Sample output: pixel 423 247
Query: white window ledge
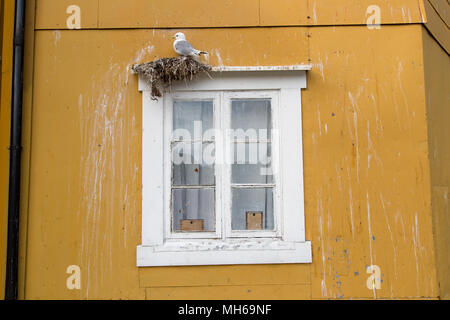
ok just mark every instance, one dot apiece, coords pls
pixel 228 252
pixel 297 67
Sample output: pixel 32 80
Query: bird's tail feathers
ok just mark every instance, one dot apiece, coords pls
pixel 199 53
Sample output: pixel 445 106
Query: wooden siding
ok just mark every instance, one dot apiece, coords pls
pixel 368 178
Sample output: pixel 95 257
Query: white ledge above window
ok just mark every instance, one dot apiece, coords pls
pixel 288 244
pixel 243 78
pixel 296 67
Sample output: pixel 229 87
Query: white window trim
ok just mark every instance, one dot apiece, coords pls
pixel 158 250
pixel 274 96
pixel 168 109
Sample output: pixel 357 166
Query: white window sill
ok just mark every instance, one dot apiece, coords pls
pixel 224 252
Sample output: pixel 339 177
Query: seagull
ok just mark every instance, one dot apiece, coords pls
pixel 184 48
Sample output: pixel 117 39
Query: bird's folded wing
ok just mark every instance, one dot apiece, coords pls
pixel 183 47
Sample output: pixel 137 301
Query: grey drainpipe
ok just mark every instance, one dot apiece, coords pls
pixel 12 258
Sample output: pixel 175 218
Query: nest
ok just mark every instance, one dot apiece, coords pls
pixel 161 73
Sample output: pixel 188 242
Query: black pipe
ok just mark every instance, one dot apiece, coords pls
pixel 12 257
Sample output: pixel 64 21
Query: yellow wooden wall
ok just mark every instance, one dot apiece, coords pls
pixel 437 83
pixel 367 171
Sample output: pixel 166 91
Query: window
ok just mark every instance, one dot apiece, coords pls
pixel 222 171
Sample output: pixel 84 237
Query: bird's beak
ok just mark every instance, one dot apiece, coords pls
pixel 173 37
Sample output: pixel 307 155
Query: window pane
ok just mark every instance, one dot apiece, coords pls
pixel 193 210
pixel 253 117
pixel 193 164
pixel 252 163
pixel 252 209
pixel 191 119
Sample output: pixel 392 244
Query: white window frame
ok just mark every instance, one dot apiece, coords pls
pixel 160 247
pixel 274 96
pixel 168 123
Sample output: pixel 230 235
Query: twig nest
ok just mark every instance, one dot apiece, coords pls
pixel 161 73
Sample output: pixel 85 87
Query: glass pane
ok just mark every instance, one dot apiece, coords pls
pixel 252 209
pixel 252 117
pixel 193 210
pixel 191 119
pixel 193 164
pixel 252 163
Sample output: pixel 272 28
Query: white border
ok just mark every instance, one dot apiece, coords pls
pixel 155 250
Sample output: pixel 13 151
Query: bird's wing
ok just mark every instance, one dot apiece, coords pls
pixel 183 47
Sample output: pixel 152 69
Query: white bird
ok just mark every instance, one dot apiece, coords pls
pixel 184 48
